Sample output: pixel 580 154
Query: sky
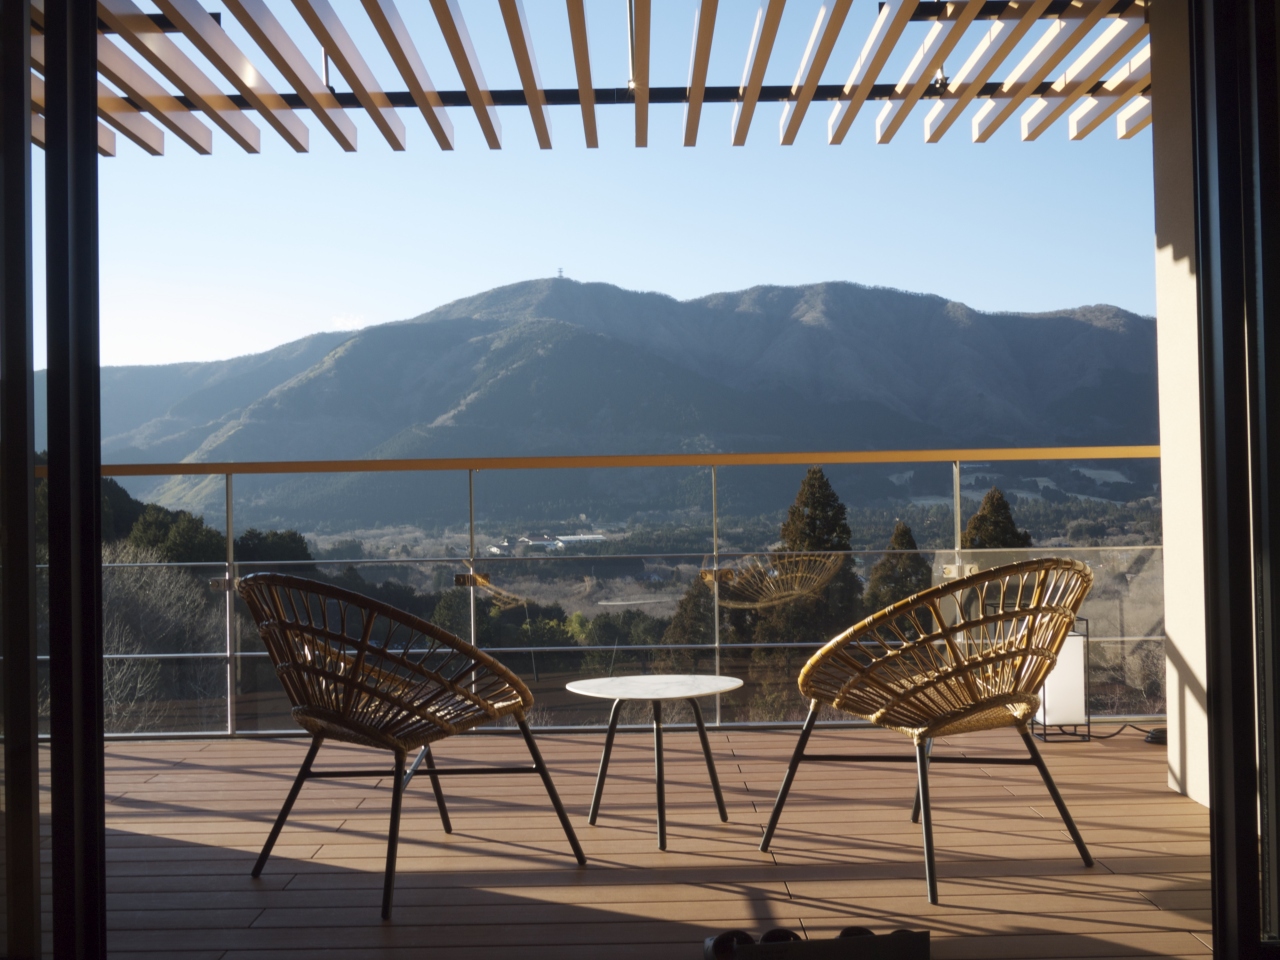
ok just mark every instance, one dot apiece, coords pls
pixel 210 257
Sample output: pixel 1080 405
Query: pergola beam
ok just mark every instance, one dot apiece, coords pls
pixel 140 87
pixel 1128 81
pixel 822 40
pixel 1110 48
pixel 1134 118
pixel 106 136
pixel 207 36
pixel 341 49
pixel 272 38
pixel 892 20
pixel 582 68
pixel 149 40
pixel 126 118
pixel 1054 46
pixel 527 67
pixel 992 51
pixel 928 60
pixel 762 38
pixel 641 23
pixel 404 53
pixel 704 29
pixel 458 39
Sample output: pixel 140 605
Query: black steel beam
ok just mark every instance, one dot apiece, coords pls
pixel 1010 10
pixel 17 503
pixel 75 570
pixel 569 96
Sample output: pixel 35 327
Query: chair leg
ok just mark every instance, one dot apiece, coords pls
pixel 796 756
pixel 393 836
pixel 1057 797
pixel 303 772
pixel 658 774
pixel 711 767
pixel 915 807
pixel 435 786
pixel 604 762
pixel 541 766
pixel 926 816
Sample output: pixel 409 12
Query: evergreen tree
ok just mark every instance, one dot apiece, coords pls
pixel 992 527
pixel 693 618
pixel 177 536
pixel 898 575
pixel 817 520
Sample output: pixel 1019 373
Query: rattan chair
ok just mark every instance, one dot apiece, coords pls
pixel 363 672
pixel 964 656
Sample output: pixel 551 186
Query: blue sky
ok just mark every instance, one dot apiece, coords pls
pixel 210 257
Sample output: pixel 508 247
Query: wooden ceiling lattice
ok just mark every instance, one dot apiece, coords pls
pixel 1088 61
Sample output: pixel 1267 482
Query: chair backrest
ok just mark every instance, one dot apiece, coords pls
pixel 365 661
pixel 972 652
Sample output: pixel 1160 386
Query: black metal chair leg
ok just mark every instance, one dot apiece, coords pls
pixel 657 769
pixel 1057 797
pixel 303 772
pixel 915 807
pixel 796 756
pixel 435 788
pixel 541 766
pixel 393 837
pixel 711 767
pixel 604 762
pixel 922 778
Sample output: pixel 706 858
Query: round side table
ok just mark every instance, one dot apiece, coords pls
pixel 655 688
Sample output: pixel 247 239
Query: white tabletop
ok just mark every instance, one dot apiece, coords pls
pixel 658 686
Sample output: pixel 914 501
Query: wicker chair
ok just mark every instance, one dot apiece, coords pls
pixel 363 672
pixel 964 656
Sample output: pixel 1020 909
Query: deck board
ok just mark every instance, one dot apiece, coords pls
pixel 186 819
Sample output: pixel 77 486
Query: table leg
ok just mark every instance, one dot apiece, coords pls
pixel 657 765
pixel 604 761
pixel 711 767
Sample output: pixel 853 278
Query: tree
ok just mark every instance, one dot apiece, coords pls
pixel 177 536
pixel 992 527
pixel 271 546
pixel 899 573
pixel 817 520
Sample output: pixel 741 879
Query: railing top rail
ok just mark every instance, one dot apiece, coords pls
pixel 964 455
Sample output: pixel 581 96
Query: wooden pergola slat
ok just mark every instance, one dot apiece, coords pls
pixel 1134 118
pixel 527 67
pixel 892 20
pixel 140 32
pixel 140 87
pixel 341 49
pixel 458 39
pixel 220 50
pixel 928 60
pixel 1115 43
pixel 704 30
pixel 106 136
pixel 640 34
pixel 128 119
pixel 1053 46
pixel 404 53
pixel 274 41
pixel 762 38
pixel 1128 81
pixel 822 40
pixel 991 52
pixel 582 69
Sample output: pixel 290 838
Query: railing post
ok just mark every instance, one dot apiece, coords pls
pixel 715 580
pixel 471 554
pixel 231 612
pixel 955 509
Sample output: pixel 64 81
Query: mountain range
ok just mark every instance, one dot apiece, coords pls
pixel 561 367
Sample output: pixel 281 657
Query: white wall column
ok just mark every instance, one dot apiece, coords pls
pixel 1177 340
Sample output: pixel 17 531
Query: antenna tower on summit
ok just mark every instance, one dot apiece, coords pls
pixel 560 272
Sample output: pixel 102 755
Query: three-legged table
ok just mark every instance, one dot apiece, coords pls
pixel 655 688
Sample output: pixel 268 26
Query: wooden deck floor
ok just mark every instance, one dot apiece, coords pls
pixel 186 820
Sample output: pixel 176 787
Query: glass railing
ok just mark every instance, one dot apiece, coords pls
pixel 184 658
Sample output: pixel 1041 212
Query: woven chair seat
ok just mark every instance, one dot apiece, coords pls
pixel 960 657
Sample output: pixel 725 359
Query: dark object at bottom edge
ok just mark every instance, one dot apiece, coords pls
pixel 854 943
